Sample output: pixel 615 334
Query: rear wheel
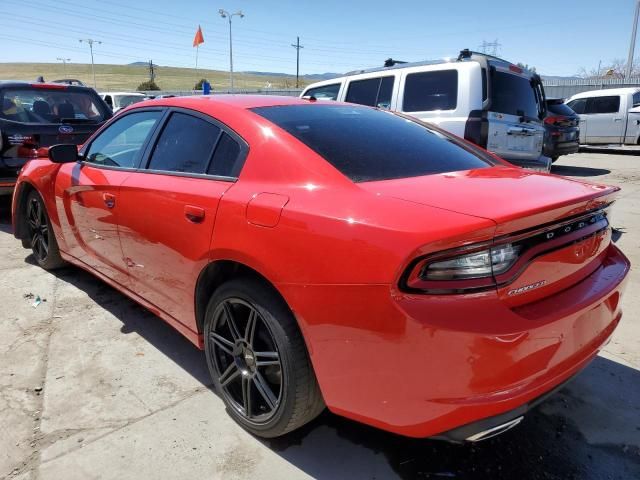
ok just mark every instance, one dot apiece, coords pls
pixel 41 238
pixel 258 360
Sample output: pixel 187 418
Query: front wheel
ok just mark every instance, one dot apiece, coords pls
pixel 258 360
pixel 41 238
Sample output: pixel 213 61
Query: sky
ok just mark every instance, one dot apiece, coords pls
pixel 558 37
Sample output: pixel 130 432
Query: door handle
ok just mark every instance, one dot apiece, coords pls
pixel 617 119
pixel 109 199
pixel 194 214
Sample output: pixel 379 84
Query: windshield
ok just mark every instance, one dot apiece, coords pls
pixel 513 95
pixel 42 105
pixel 123 101
pixel 366 144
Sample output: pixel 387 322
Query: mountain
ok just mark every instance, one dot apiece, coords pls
pixel 311 76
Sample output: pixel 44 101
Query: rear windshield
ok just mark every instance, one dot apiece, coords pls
pixel 513 95
pixel 42 105
pixel 123 101
pixel 559 109
pixel 368 145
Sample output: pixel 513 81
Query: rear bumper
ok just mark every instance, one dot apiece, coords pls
pixel 557 147
pixel 420 365
pixel 7 185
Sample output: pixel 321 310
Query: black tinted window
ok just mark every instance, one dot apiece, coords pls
pixel 375 92
pixel 326 92
pixel 559 109
pixel 636 99
pixel 428 91
pixel 578 105
pixel 185 145
pixel 121 143
pixel 366 144
pixel 225 158
pixel 603 104
pixel 513 95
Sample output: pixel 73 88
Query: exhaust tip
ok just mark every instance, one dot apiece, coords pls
pixel 494 431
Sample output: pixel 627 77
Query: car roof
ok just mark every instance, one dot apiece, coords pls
pixel 209 102
pixel 53 86
pixel 605 92
pixel 123 93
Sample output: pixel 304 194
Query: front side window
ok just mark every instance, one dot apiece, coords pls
pixel 325 92
pixel 429 91
pixel 375 92
pixel 50 105
pixel 636 99
pixel 609 104
pixel 185 145
pixel 513 95
pixel 121 143
pixel 579 105
pixel 365 144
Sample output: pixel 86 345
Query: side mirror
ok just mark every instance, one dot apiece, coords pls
pixel 63 153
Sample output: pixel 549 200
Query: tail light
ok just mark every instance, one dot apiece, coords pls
pixel 555 120
pixel 487 265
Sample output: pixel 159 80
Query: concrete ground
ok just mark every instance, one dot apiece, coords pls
pixel 92 386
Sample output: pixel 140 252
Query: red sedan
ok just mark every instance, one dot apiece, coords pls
pixel 335 255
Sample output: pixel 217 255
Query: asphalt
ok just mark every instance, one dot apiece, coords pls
pixel 93 386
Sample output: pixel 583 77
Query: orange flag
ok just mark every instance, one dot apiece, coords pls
pixel 198 39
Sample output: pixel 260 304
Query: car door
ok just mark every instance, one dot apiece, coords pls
pixel 168 209
pixel 604 119
pixel 90 191
pixel 579 105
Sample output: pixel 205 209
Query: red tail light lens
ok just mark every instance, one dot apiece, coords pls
pixel 555 120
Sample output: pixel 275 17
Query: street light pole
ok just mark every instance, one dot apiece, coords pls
pixel 632 46
pixel 91 41
pixel 224 14
pixel 64 64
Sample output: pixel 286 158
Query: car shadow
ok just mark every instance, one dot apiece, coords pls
pixel 575 171
pixel 551 443
pixel 611 151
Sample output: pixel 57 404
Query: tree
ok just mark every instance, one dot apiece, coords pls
pixel 616 68
pixel 527 67
pixel 198 86
pixel 148 86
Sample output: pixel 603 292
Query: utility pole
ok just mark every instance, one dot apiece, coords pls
pixel 64 64
pixel 491 48
pixel 632 45
pixel 152 72
pixel 224 14
pixel 297 46
pixel 91 41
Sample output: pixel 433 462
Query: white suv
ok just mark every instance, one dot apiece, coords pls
pixel 489 101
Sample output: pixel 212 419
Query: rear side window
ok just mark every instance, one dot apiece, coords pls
pixel 428 91
pixel 326 92
pixel 375 92
pixel 185 145
pixel 367 145
pixel 610 104
pixel 51 105
pixel 225 159
pixel 121 143
pixel 636 99
pixel 578 105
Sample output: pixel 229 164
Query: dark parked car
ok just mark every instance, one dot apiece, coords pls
pixel 563 134
pixel 35 115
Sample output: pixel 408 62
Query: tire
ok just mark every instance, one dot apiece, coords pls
pixel 259 362
pixel 41 238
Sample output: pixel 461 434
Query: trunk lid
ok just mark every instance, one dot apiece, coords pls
pixel 557 219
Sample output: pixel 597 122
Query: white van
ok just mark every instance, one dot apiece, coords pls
pixel 119 100
pixel 482 98
pixel 608 116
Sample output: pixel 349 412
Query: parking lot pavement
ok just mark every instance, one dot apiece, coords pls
pixel 93 386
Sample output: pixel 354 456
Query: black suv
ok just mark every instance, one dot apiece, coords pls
pixel 562 132
pixel 35 115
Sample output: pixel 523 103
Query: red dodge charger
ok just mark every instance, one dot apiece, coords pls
pixel 327 254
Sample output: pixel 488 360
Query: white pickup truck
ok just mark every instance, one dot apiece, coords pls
pixel 610 116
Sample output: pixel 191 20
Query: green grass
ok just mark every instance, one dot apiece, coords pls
pixel 128 77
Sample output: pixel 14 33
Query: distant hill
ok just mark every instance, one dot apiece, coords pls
pixel 315 76
pixel 128 77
